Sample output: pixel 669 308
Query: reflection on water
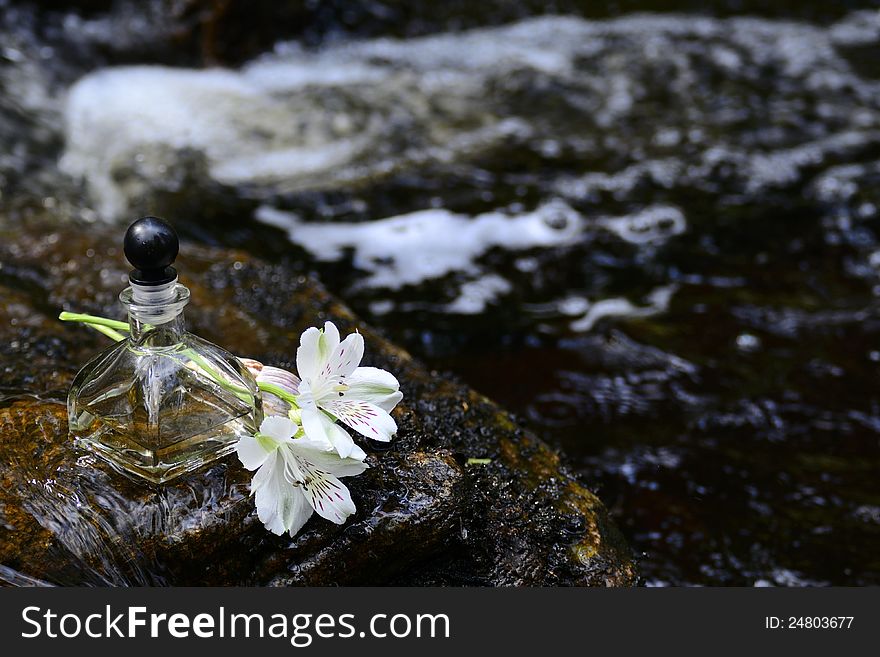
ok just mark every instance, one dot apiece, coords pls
pixel 86 524
pixel 654 237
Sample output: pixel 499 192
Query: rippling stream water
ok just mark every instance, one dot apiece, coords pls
pixel 654 237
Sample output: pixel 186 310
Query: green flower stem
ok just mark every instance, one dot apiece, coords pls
pixel 94 320
pixel 279 392
pixel 109 332
pixel 239 391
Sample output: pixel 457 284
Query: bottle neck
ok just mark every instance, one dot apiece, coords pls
pixel 155 313
pixel 148 334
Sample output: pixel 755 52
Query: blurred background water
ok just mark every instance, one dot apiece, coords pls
pixel 653 236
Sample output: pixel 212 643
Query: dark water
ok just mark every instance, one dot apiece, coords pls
pixel 653 237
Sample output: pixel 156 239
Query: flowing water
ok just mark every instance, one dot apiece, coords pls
pixel 656 238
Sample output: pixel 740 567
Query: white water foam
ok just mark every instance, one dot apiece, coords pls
pixel 420 246
pixel 413 248
pixel 649 226
pixel 656 302
pixel 355 111
pixel 476 296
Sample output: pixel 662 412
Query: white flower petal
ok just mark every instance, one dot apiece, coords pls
pixel 279 428
pixel 264 474
pixel 367 419
pixel 315 429
pixel 299 514
pixel 307 362
pixel 389 403
pixel 323 430
pixel 375 378
pixel 374 385
pixel 340 438
pixel 316 346
pixel 328 461
pixel 347 356
pixel 285 380
pixel 280 506
pixel 328 496
pixel 331 339
pixel 251 453
pixel 357 454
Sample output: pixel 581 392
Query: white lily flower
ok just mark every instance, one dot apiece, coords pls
pixel 273 405
pixel 295 477
pixel 333 387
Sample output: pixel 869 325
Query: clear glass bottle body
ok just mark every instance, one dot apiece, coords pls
pixel 162 402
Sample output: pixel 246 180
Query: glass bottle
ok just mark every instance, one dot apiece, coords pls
pixel 162 402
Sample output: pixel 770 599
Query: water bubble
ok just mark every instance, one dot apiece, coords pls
pixel 748 342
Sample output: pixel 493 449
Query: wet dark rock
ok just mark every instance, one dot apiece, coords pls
pixel 427 514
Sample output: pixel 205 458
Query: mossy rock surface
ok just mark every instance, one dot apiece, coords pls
pixel 427 513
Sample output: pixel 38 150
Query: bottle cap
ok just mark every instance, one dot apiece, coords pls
pixel 151 245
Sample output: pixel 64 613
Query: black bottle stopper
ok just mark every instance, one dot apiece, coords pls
pixel 151 246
